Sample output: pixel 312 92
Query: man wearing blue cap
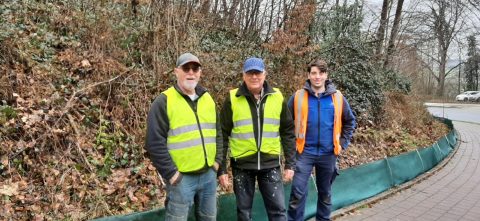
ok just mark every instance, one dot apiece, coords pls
pixel 257 126
pixel 185 145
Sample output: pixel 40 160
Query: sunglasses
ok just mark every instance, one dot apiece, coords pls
pixel 252 73
pixel 187 68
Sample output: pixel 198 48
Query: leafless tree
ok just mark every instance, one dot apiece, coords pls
pixel 395 30
pixel 440 21
pixel 445 22
pixel 381 28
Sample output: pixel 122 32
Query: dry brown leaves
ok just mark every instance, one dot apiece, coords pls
pixel 406 126
pixel 43 175
pixel 45 178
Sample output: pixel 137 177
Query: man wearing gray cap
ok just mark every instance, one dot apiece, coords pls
pixel 184 143
pixel 257 126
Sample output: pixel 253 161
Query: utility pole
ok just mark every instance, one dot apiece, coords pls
pixel 476 74
pixel 460 65
pixel 459 70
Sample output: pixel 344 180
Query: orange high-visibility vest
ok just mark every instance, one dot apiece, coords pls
pixel 300 106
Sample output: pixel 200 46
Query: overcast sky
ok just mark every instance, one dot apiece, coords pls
pixel 372 17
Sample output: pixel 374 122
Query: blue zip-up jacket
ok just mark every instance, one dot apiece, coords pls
pixel 319 135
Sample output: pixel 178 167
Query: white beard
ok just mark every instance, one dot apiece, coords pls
pixel 189 85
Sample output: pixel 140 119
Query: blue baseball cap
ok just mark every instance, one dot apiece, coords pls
pixel 253 64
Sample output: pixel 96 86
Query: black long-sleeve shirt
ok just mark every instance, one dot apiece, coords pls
pixel 157 133
pixel 286 131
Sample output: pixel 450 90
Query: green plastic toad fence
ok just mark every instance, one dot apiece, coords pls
pixel 353 185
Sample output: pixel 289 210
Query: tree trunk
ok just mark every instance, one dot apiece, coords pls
pixel 134 7
pixel 232 12
pixel 256 12
pixel 393 35
pixel 270 20
pixel 381 28
pixel 205 6
pixel 441 73
pixel 215 5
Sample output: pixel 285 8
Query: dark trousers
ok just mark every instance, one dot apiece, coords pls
pixel 270 185
pixel 325 171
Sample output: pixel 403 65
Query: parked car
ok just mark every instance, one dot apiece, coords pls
pixel 464 96
pixel 474 96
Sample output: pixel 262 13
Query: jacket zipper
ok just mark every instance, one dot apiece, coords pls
pixel 259 141
pixel 318 111
pixel 201 133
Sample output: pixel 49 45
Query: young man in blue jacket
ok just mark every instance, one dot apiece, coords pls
pixel 324 126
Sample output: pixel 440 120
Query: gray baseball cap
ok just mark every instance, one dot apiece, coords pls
pixel 187 58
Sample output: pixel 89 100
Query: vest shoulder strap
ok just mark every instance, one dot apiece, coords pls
pixel 298 112
pixel 338 95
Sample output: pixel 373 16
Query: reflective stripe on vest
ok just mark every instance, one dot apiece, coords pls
pixel 191 142
pixel 300 108
pixel 242 139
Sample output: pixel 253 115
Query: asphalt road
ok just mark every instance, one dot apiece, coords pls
pixel 466 112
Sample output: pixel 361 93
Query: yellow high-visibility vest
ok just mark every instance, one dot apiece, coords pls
pixel 242 139
pixel 191 140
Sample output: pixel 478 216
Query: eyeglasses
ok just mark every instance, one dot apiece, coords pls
pixel 252 73
pixel 194 68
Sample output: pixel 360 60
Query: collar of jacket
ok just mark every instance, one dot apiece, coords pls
pixel 243 90
pixel 199 90
pixel 329 88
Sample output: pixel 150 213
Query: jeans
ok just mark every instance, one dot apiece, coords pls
pixel 325 171
pixel 198 188
pixel 270 185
